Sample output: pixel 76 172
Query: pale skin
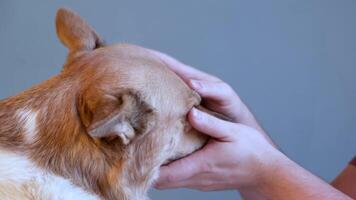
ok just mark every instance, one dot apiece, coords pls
pixel 240 154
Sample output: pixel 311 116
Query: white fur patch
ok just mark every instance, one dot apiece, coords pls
pixel 28 118
pixel 19 175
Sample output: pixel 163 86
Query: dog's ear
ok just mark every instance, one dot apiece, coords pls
pixel 124 115
pixel 75 33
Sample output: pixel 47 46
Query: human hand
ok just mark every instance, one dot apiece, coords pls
pixel 236 158
pixel 239 155
pixel 217 95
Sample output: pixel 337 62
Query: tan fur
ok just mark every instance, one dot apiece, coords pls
pixel 11 191
pixel 106 122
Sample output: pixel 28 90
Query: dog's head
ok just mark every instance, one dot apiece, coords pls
pixel 127 96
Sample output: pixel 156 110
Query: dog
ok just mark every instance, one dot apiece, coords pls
pixel 100 129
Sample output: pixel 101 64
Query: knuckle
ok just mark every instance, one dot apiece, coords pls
pixel 228 90
pixel 234 129
pixel 223 85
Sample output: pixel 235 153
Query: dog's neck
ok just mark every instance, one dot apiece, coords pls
pixel 53 138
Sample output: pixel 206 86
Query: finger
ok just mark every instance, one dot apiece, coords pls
pixel 210 125
pixel 184 71
pixel 178 172
pixel 215 90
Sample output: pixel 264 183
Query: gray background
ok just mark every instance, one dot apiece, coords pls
pixel 292 61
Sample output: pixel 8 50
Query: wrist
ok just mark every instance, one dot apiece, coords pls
pixel 272 167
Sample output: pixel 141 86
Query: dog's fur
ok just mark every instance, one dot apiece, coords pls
pixel 98 130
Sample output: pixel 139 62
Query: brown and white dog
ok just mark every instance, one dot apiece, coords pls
pixel 98 130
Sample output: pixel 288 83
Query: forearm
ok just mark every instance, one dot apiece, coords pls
pixel 249 119
pixel 346 181
pixel 287 180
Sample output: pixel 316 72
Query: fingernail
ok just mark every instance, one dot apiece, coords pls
pixel 196 114
pixel 196 84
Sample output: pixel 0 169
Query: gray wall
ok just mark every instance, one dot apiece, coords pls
pixel 292 61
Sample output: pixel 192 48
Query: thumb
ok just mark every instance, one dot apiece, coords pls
pixel 210 125
pixel 176 173
pixel 215 90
